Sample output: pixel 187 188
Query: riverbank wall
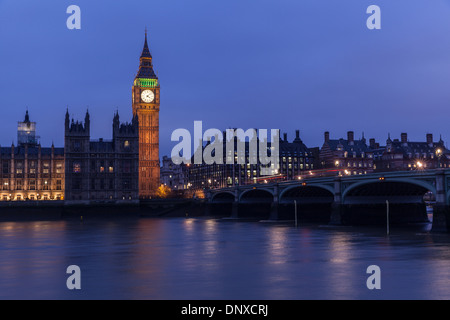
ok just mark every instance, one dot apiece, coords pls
pixel 59 210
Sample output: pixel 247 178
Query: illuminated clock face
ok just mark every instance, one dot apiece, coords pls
pixel 147 96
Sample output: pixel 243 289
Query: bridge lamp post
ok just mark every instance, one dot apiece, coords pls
pixel 419 164
pixel 438 155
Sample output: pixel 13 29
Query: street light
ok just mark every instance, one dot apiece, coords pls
pixel 439 154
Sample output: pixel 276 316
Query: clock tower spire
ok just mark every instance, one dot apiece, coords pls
pixel 145 102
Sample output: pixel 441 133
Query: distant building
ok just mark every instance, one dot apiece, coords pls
pixel 30 172
pixel 26 132
pixel 400 155
pixel 100 170
pixel 172 175
pixel 346 156
pixel 295 159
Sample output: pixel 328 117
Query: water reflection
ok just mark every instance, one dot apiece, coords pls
pixel 340 248
pixel 28 253
pixel 213 259
pixel 277 245
pixel 210 243
pixel 343 272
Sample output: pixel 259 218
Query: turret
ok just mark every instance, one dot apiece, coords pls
pixel 67 122
pixel 87 122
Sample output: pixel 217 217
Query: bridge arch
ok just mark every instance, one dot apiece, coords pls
pixel 256 203
pixel 309 203
pixel 223 196
pixel 366 202
pixel 419 183
pixel 315 190
pixel 257 194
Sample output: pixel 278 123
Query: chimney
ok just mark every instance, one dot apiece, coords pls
pixel 404 138
pixel 377 145
pixel 285 137
pixel 350 137
pixel 372 143
pixel 430 139
pixel 327 136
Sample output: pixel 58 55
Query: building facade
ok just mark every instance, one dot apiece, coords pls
pixel 346 156
pixel 100 170
pixel 29 171
pixel 295 160
pixel 402 154
pixel 145 102
pixel 172 175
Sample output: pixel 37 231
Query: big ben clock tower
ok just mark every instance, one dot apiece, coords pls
pixel 146 108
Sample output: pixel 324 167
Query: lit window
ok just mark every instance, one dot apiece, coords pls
pixel 46 167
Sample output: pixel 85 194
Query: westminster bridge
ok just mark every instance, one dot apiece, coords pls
pixel 352 199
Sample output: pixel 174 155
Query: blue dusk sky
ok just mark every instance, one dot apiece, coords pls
pixel 311 65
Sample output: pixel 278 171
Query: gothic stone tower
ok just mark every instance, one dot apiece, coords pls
pixel 76 154
pixel 146 107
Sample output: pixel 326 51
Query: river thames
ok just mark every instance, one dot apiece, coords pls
pixel 183 258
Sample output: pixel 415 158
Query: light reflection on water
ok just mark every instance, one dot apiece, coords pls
pixel 216 259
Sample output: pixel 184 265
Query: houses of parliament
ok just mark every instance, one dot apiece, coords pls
pixel 121 170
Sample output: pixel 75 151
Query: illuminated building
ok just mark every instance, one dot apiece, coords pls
pixel 145 102
pixel 346 156
pixel 173 175
pixel 30 172
pixel 400 155
pixel 295 159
